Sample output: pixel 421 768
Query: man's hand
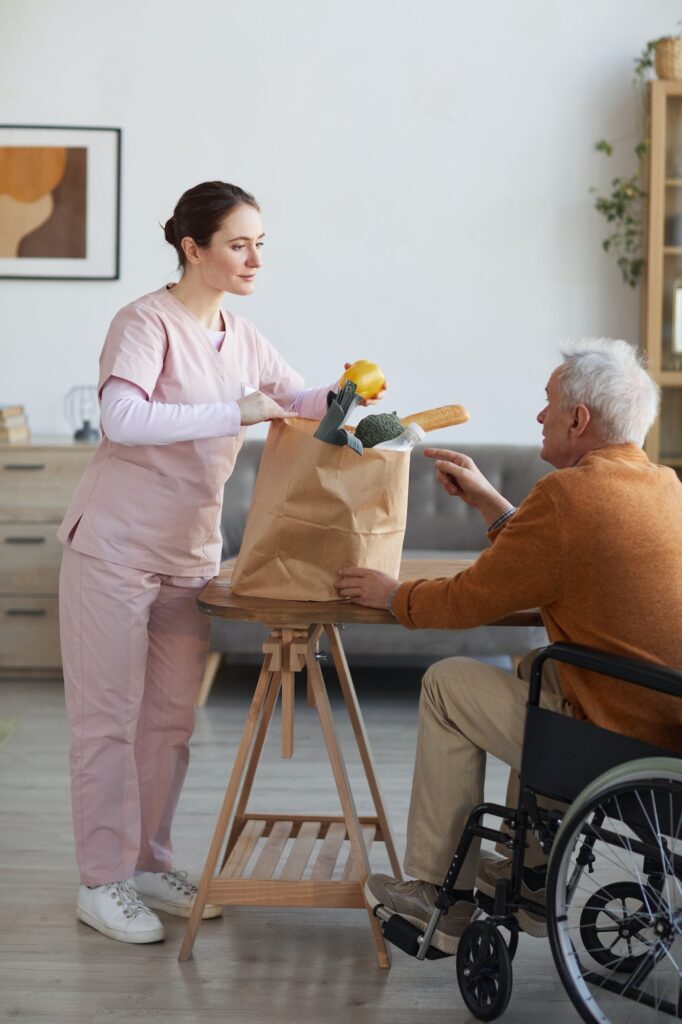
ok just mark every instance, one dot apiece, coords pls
pixel 258 407
pixel 460 476
pixel 365 586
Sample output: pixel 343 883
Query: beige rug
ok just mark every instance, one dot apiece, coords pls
pixel 7 727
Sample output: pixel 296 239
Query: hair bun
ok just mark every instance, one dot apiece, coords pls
pixel 169 231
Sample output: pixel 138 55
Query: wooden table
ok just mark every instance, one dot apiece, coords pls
pixel 246 875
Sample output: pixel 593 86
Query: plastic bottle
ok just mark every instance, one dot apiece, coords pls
pixel 405 442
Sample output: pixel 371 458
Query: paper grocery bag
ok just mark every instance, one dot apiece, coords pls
pixel 315 508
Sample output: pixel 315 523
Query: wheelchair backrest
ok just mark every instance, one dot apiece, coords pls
pixel 562 755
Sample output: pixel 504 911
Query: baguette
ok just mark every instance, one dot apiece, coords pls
pixel 436 419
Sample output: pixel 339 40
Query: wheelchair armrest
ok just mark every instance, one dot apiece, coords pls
pixel 631 670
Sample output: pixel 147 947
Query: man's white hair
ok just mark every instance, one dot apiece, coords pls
pixel 609 377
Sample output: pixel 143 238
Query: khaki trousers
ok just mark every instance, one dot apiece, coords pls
pixel 467 708
pixel 133 649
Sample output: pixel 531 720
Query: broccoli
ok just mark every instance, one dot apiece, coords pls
pixel 375 429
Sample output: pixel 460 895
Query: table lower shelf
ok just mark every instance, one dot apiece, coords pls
pixel 293 861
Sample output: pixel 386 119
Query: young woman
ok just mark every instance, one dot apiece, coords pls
pixel 180 378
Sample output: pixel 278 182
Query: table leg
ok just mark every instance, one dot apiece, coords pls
pixel 213 660
pixel 288 650
pixel 288 693
pixel 254 758
pixel 252 719
pixel 350 813
pixel 362 740
pixel 286 644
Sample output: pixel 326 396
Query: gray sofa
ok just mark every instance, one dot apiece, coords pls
pixel 437 526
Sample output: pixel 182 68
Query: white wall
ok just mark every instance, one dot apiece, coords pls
pixel 423 170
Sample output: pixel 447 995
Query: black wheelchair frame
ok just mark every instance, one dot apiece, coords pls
pixel 550 742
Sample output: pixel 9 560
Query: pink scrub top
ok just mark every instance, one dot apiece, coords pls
pixel 158 507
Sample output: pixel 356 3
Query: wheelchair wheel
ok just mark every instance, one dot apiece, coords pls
pixel 484 970
pixel 487 905
pixel 614 895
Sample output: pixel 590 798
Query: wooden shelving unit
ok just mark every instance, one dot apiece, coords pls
pixel 664 269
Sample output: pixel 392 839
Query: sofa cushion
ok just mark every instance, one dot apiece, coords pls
pixel 440 522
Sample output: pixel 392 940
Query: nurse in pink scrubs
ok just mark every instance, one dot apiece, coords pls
pixel 180 378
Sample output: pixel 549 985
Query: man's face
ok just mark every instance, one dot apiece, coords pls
pixel 558 447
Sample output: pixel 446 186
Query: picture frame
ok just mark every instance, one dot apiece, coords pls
pixel 60 203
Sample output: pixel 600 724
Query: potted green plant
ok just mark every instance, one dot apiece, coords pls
pixel 623 206
pixel 623 209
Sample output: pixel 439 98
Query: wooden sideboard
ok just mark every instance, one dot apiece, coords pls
pixel 37 481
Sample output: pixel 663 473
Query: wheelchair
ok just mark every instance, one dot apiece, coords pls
pixel 613 895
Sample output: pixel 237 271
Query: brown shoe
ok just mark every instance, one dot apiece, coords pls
pixel 491 869
pixel 416 902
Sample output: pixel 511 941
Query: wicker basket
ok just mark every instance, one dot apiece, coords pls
pixel 669 57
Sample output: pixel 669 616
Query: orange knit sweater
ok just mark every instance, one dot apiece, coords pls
pixel 598 548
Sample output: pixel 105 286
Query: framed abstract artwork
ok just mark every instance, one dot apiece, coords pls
pixel 60 198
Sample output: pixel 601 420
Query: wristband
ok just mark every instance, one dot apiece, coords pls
pixel 502 519
pixel 389 601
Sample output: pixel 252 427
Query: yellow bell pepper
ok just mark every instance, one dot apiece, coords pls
pixel 367 377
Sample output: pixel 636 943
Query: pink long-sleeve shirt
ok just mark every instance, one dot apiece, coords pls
pixel 129 417
pixel 157 506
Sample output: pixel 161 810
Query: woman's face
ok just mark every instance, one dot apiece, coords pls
pixel 233 257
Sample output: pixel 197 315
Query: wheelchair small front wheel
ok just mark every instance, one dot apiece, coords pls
pixel 484 970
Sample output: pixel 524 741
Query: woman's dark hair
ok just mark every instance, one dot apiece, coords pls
pixel 200 211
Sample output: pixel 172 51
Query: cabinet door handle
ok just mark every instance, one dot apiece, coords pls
pixel 25 540
pixel 24 465
pixel 34 612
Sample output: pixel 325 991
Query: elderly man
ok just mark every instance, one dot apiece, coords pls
pixel 597 547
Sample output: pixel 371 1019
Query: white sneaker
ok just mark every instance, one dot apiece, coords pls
pixel 116 910
pixel 170 891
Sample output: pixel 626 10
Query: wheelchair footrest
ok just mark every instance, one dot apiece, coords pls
pixel 406 936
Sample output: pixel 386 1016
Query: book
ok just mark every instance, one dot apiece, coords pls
pixel 13 421
pixel 11 410
pixel 14 435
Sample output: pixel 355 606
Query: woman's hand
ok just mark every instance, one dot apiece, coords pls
pixel 375 398
pixel 258 407
pixel 460 476
pixel 365 586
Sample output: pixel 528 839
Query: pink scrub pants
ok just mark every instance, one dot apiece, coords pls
pixel 133 649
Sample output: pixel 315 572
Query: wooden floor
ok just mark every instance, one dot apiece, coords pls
pixel 252 966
